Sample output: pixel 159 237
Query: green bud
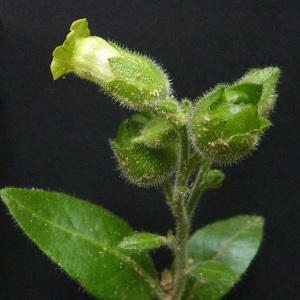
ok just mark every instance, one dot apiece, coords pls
pixel 167 107
pixel 226 125
pixel 171 109
pixel 138 163
pixel 158 133
pixel 214 178
pixel 134 80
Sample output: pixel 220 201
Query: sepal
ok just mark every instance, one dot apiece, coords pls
pixel 268 77
pixel 158 133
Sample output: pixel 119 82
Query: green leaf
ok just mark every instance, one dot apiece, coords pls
pixel 225 247
pixel 210 280
pixel 214 271
pixel 142 241
pixel 82 238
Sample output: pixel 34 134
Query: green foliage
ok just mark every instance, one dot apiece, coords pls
pixel 220 253
pixel 143 241
pixel 83 239
pixel 210 281
pixel 214 272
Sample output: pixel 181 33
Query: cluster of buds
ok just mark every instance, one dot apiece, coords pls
pixel 224 126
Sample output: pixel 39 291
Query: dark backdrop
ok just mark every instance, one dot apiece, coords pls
pixel 54 134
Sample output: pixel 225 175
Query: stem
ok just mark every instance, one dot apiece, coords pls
pixel 199 187
pixel 195 161
pixel 183 165
pixel 167 188
pixel 182 211
pixel 182 221
pixel 180 250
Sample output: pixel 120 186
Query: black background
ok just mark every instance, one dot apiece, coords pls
pixel 54 134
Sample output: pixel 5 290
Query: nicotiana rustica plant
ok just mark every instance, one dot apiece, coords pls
pixel 171 144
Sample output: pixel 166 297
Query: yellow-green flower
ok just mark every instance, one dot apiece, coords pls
pixel 132 79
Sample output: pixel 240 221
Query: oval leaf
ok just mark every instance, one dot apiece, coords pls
pixel 232 243
pixel 212 271
pixel 210 280
pixel 142 241
pixel 82 238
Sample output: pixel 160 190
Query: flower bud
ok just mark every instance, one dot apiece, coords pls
pixel 134 80
pixel 214 178
pixel 173 110
pixel 138 163
pixel 226 125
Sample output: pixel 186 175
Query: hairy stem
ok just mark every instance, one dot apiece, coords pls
pixel 180 250
pixel 182 221
pixel 182 204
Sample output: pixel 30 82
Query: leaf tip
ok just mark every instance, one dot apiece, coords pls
pixel 3 194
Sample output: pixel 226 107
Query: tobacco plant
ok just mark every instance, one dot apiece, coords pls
pixel 166 143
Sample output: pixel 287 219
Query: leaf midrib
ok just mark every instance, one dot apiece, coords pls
pixel 153 284
pixel 234 237
pixel 223 249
